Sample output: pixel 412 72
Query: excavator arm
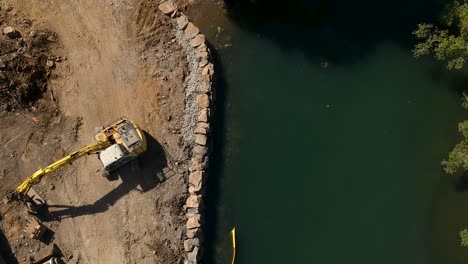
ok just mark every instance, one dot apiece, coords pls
pixel 23 188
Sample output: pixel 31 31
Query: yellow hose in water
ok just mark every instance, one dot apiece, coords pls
pixel 233 236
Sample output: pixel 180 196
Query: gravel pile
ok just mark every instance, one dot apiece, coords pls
pixel 191 83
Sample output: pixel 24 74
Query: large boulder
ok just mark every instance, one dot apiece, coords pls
pixel 199 163
pixel 204 87
pixel 194 232
pixel 203 63
pixel 195 180
pixel 190 243
pixel 203 100
pixel 191 31
pixel 200 150
pixel 201 55
pixel 201 130
pixel 203 117
pixel 201 139
pixel 198 40
pixel 11 32
pixel 168 7
pixel 208 69
pixel 204 78
pixel 195 166
pixel 193 221
pixel 194 255
pixel 182 22
pixel 202 47
pixel 204 125
pixel 193 202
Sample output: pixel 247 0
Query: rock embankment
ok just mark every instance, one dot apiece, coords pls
pixel 196 127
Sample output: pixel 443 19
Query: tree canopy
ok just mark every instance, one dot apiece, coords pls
pixel 464 237
pixel 458 157
pixel 448 41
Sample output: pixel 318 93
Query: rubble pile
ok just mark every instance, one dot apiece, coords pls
pixel 25 61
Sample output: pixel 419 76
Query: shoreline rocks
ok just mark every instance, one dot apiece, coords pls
pixel 199 94
pixel 11 32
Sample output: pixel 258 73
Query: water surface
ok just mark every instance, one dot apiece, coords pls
pixel 329 140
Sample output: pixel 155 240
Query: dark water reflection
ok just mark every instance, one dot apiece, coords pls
pixel 339 31
pixel 329 136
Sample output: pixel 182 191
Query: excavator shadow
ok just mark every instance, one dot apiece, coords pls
pixel 142 174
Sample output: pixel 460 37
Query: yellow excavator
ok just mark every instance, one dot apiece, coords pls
pixel 116 144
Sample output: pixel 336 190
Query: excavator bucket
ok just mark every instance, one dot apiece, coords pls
pixel 32 199
pixel 11 196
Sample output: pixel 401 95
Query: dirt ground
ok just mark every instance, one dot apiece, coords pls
pixel 120 58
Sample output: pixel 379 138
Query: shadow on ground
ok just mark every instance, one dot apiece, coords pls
pixel 141 174
pixel 337 31
pixel 6 255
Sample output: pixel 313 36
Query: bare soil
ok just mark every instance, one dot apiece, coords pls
pixel 117 58
pixel 24 62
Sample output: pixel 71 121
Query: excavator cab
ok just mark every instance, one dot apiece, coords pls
pixel 127 142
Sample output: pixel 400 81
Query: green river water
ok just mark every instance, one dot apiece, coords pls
pixel 329 138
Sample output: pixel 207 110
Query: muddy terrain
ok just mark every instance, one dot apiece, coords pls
pixel 81 65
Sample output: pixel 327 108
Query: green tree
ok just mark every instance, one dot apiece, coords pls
pixel 458 157
pixel 448 41
pixel 464 237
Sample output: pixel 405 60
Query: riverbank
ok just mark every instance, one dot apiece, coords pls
pixel 199 111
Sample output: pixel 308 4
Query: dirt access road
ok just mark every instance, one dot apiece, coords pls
pixel 121 60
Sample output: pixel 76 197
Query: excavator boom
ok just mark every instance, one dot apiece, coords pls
pixel 36 177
